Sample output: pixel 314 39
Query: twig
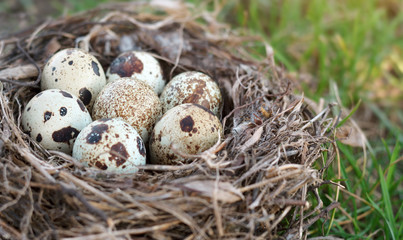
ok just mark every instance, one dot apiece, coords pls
pixel 91 209
pixel 81 183
pixel 26 84
pixel 13 233
pixel 136 231
pixel 36 163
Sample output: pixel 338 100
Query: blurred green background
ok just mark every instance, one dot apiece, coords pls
pixel 345 51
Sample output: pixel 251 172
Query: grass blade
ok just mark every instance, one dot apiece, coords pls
pixel 350 114
pixel 379 210
pixel 392 165
pixel 387 203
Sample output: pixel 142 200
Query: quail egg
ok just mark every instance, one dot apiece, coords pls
pixel 54 118
pixel 134 101
pixel 189 128
pixel 111 145
pixel 75 71
pixel 192 87
pixel 140 66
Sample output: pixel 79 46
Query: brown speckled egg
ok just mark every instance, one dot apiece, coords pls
pixel 189 128
pixel 54 118
pixel 75 71
pixel 192 87
pixel 111 145
pixel 138 65
pixel 134 101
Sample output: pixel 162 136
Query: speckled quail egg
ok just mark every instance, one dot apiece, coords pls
pixel 134 101
pixel 75 71
pixel 192 87
pixel 138 65
pixel 111 145
pixel 189 128
pixel 54 118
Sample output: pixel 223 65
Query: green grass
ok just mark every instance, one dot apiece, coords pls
pixel 356 44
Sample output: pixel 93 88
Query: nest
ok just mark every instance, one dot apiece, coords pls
pixel 260 181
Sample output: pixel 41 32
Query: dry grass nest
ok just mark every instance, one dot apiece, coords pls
pixel 260 180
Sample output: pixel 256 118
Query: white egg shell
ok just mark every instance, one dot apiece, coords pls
pixel 54 118
pixel 138 65
pixel 192 87
pixel 134 101
pixel 75 71
pixel 111 145
pixel 189 128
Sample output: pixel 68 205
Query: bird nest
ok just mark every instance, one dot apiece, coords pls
pixel 260 180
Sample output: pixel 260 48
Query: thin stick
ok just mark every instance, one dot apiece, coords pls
pixel 165 167
pixel 86 186
pixel 135 231
pixel 35 162
pixel 14 234
pixel 217 212
pixel 274 179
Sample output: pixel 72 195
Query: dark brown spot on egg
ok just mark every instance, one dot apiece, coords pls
pixel 194 98
pixel 100 165
pixel 141 147
pixel 81 104
pixel 171 156
pixel 152 138
pixel 126 64
pixel 39 137
pixel 197 91
pixel 56 80
pixel 95 67
pixel 65 134
pixel 85 95
pixel 66 94
pixel 194 130
pixel 46 116
pixel 63 111
pixel 53 69
pixel 119 154
pixel 96 133
pixel 28 109
pixel 205 103
pixel 212 129
pixel 70 62
pixel 187 124
pixel 39 94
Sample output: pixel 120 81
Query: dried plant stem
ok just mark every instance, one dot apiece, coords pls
pixel 136 231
